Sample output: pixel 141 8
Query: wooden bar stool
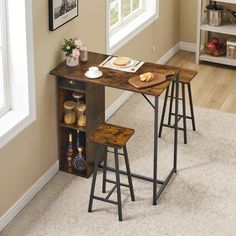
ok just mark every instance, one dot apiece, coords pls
pixel 116 137
pixel 185 79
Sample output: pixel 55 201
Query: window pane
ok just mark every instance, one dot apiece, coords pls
pixel 114 12
pixel 126 7
pixel 1 65
pixel 136 4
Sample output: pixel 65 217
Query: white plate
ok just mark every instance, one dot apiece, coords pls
pixel 128 65
pixel 87 74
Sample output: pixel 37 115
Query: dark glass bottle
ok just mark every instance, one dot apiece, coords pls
pixel 69 152
pixel 79 162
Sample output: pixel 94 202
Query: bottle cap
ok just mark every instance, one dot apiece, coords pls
pixel 70 137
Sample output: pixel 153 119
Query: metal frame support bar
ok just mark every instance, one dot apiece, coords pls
pixel 165 183
pixel 111 191
pixel 142 177
pixel 148 100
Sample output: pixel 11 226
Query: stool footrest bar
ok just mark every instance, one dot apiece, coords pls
pixel 105 200
pixel 187 117
pixel 172 126
pixel 122 154
pixel 113 182
pixel 174 97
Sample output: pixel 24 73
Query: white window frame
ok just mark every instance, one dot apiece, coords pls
pixel 126 19
pixel 116 37
pixel 6 91
pixel 20 66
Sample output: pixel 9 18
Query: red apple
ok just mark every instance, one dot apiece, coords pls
pixel 215 40
pixel 211 46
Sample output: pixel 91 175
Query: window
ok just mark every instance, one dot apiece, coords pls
pixel 126 18
pixel 17 93
pixel 4 99
pixel 123 11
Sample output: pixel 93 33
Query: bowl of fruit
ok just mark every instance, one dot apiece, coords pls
pixel 215 48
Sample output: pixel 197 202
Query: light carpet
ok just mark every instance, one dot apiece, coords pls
pixel 199 200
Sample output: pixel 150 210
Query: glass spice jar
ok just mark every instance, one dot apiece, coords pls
pixel 78 96
pixel 69 112
pixel 82 119
pixel 83 54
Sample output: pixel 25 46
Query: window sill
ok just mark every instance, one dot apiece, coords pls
pixel 12 123
pixel 133 28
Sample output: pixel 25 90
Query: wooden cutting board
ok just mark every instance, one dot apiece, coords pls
pixel 158 79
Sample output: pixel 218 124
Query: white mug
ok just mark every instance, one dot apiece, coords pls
pixel 93 70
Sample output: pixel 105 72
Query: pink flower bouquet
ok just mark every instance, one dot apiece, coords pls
pixel 71 47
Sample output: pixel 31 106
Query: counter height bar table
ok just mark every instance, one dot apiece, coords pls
pixel 119 80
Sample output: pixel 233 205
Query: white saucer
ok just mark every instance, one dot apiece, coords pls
pixel 87 74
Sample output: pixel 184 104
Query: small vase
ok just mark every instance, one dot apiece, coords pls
pixel 71 61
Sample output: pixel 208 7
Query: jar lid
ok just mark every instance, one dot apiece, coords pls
pixel 231 42
pixel 69 104
pixel 77 95
pixel 81 107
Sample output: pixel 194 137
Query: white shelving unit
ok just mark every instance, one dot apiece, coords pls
pixel 227 29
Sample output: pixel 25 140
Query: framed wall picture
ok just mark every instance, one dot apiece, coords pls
pixel 61 11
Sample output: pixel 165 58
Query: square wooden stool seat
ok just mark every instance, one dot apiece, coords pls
pixel 111 135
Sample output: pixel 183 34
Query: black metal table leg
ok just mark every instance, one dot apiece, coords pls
pixel 184 113
pixel 191 106
pixel 155 154
pixel 176 122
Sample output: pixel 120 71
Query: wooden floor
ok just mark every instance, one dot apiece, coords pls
pixel 214 86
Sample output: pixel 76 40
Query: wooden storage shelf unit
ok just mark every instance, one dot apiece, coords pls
pixel 202 26
pixel 95 115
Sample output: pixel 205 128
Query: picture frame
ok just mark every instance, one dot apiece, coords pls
pixel 61 12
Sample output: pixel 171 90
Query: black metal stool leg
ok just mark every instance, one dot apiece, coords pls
pixel 164 111
pixel 128 173
pixel 171 102
pixel 104 178
pixel 184 113
pixel 191 106
pixel 93 184
pixel 118 184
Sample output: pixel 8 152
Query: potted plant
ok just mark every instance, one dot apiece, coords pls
pixel 71 48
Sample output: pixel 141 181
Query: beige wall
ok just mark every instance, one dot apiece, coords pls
pixel 31 153
pixel 188 20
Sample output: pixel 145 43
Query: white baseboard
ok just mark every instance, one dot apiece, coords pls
pixel 190 47
pixel 167 56
pixel 7 217
pixel 117 104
